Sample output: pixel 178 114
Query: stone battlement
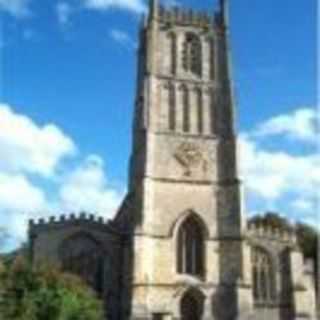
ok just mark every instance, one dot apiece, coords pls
pixel 67 218
pixel 62 221
pixel 258 230
pixel 179 16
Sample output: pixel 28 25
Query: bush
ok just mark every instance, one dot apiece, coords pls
pixel 45 294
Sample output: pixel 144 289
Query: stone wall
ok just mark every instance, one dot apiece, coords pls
pixel 48 240
pixel 293 276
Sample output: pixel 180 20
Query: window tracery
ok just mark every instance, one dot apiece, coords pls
pixel 172 107
pixel 192 54
pixel 186 109
pixel 173 53
pixel 190 249
pixel 199 102
pixel 263 276
pixel 213 112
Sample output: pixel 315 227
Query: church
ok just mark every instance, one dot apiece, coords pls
pixel 180 246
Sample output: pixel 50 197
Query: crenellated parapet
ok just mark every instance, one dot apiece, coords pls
pixel 63 221
pixel 180 16
pixel 270 233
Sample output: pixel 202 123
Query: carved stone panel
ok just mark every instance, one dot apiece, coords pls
pixel 190 157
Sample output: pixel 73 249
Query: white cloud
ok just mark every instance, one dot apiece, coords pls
pixel 298 125
pixel 122 38
pixel 136 6
pixel 18 194
pixel 86 189
pixel 18 199
pixel 280 178
pixel 17 8
pixel 64 11
pixel 29 147
pixel 271 174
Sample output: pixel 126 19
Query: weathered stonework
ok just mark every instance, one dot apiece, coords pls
pixel 183 168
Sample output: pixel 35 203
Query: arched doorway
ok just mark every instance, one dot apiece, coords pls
pixel 191 307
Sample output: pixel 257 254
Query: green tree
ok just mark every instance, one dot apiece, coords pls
pixel 45 294
pixel 307 238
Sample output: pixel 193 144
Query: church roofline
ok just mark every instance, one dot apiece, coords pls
pixel 176 15
pixel 256 230
pixel 63 220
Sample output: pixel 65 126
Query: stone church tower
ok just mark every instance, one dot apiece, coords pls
pixel 187 218
pixel 179 247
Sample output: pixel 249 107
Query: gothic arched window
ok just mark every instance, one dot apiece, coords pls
pixel 172 107
pixel 186 109
pixel 263 276
pixel 192 54
pixel 190 249
pixel 199 102
pixel 81 255
pixel 213 111
pixel 173 52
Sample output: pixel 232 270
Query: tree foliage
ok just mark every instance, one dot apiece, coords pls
pixel 45 294
pixel 308 240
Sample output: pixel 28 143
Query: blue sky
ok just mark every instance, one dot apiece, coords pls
pixel 67 86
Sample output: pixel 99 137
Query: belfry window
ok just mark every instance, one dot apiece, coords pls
pixel 263 276
pixel 173 53
pixel 192 54
pixel 190 249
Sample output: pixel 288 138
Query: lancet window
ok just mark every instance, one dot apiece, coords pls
pixel 173 53
pixel 214 115
pixel 190 249
pixel 192 54
pixel 263 276
pixel 199 101
pixel 186 108
pixel 172 107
